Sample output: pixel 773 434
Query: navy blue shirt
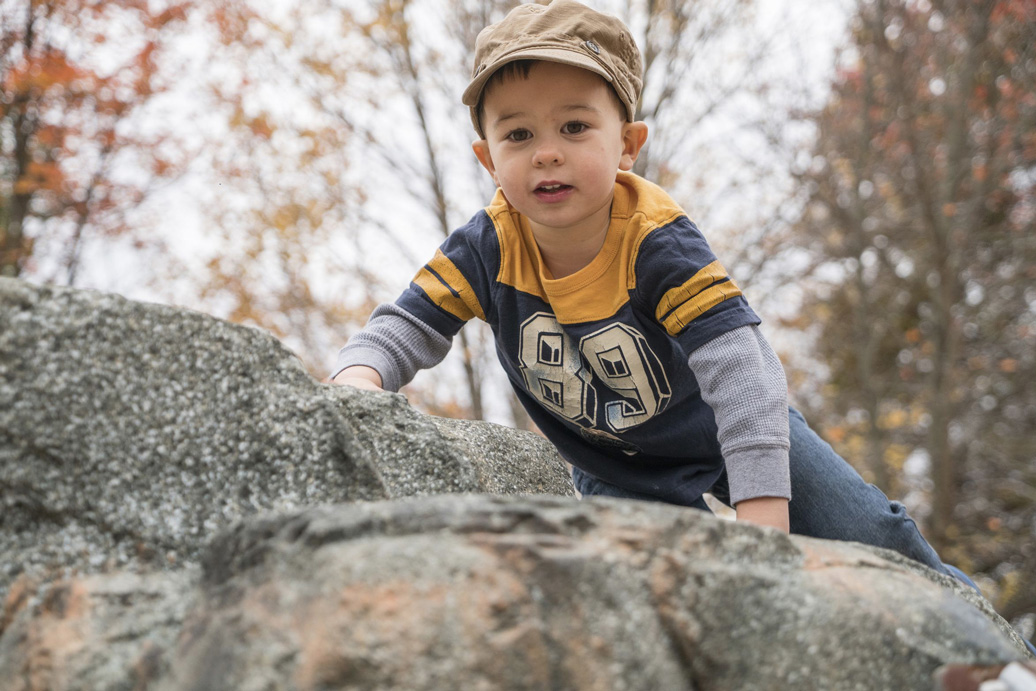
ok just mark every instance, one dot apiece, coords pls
pixel 598 358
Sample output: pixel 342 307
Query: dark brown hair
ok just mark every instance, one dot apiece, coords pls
pixel 519 69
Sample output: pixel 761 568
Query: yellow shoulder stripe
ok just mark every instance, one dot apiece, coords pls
pixel 446 286
pixel 683 304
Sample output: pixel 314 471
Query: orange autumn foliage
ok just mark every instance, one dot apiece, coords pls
pixel 67 93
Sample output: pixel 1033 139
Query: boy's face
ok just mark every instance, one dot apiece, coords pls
pixel 554 143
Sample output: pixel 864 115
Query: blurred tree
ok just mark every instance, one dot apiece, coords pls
pixel 425 72
pixel 721 78
pixel 283 251
pixel 922 211
pixel 72 76
pixel 675 37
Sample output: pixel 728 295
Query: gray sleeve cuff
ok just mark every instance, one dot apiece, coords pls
pixel 761 472
pixel 368 357
pixel 396 344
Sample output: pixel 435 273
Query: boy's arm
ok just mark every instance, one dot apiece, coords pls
pixel 769 511
pixel 741 378
pixel 389 350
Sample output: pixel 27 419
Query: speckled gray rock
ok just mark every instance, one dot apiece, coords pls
pixel 418 455
pixel 481 592
pixel 130 433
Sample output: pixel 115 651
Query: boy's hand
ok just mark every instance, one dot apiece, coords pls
pixel 769 511
pixel 359 377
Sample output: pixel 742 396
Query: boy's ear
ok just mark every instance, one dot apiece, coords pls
pixel 634 136
pixel 481 149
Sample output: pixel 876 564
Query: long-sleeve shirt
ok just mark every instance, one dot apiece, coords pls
pixel 645 368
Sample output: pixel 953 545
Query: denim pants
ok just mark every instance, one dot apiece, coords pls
pixel 829 500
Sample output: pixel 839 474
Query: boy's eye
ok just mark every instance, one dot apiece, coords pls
pixel 518 135
pixel 574 127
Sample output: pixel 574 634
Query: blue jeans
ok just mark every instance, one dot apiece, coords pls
pixel 829 500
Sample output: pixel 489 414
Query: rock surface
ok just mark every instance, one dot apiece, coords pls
pixel 183 507
pixel 131 433
pixel 490 592
pixel 524 593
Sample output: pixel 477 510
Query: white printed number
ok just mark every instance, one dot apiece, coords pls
pixel 618 356
pixel 553 372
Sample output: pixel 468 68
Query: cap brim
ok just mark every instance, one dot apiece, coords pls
pixel 565 57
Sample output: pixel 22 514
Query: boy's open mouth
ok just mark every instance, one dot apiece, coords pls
pixel 552 190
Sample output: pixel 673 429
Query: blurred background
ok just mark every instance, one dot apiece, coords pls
pixel 866 169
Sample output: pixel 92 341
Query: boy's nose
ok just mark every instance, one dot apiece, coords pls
pixel 547 154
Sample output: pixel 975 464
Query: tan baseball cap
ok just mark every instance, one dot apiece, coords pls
pixel 564 31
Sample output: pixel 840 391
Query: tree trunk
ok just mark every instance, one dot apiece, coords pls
pixel 14 246
pixel 472 376
pixel 437 187
pixel 12 239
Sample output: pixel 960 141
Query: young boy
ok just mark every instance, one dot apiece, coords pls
pixel 622 335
